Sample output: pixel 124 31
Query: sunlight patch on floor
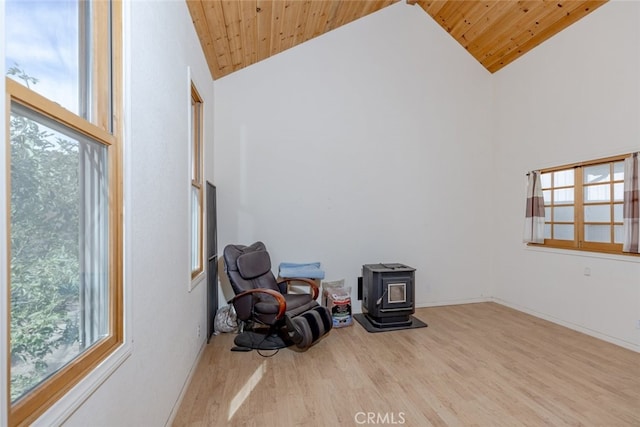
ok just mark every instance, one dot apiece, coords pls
pixel 246 390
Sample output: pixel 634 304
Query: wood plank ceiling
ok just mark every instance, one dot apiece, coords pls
pixel 237 33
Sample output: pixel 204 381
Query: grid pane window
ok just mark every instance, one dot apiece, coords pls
pixel 563 231
pixel 597 213
pixel 564 213
pixel 603 193
pixel 584 205
pixel 597 233
pixel 618 191
pixel 597 173
pixel 597 193
pixel 563 178
pixel 618 236
pixel 559 200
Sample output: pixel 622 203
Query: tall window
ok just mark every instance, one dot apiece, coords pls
pixel 65 246
pixel 196 184
pixel 584 205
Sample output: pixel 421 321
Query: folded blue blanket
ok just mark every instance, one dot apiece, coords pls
pixel 309 270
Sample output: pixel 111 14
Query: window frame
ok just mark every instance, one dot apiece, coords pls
pixel 578 243
pixel 196 148
pixel 104 128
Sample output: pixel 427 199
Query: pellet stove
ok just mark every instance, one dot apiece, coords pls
pixel 388 293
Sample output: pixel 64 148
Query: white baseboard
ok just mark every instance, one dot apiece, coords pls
pixel 604 337
pixel 185 386
pixel 356 309
pixel 453 302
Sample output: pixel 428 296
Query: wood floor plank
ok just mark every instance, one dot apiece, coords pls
pixel 475 365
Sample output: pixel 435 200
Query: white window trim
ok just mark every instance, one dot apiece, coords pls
pixel 197 280
pixel 60 411
pixel 583 253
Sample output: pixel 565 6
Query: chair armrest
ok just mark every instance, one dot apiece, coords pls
pixel 313 287
pixel 282 303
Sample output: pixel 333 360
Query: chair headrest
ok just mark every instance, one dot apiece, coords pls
pixel 253 264
pixel 232 252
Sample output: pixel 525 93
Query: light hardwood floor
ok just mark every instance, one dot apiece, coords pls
pixel 475 365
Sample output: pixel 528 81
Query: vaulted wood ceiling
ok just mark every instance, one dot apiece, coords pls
pixel 237 33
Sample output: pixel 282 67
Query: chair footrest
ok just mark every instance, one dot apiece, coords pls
pixel 260 341
pixel 312 325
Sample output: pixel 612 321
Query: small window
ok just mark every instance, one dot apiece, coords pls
pixel 197 187
pixel 584 205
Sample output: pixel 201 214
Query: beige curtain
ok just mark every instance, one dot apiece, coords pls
pixel 631 217
pixel 534 214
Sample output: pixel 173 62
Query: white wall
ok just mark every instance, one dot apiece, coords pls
pixel 368 144
pixel 162 45
pixel 574 98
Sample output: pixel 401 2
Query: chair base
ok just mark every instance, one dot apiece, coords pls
pixel 255 340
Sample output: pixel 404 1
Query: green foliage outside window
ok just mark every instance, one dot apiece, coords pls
pixel 44 249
